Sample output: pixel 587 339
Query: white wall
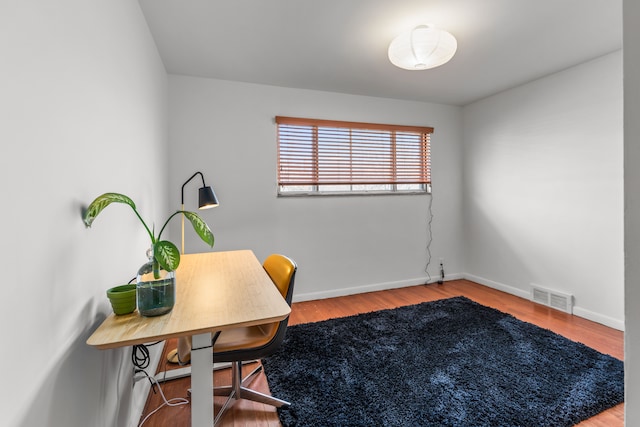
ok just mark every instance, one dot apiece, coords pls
pixel 632 210
pixel 83 110
pixel 543 187
pixel 342 244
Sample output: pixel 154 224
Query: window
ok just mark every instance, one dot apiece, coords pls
pixel 319 157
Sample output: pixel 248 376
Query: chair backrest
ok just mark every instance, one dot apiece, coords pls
pixel 282 271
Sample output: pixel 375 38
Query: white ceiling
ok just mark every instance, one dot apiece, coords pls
pixel 341 45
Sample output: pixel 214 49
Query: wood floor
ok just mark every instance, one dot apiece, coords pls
pixel 249 414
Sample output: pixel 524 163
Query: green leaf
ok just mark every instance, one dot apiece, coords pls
pixel 102 202
pixel 201 227
pixel 167 255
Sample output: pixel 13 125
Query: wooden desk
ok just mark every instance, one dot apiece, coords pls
pixel 214 291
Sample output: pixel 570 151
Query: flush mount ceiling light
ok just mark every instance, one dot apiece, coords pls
pixel 422 48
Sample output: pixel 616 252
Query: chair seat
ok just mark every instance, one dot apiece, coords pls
pixel 241 338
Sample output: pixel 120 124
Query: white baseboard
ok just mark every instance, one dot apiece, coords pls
pixel 496 285
pixel 332 293
pixel 577 311
pixel 599 318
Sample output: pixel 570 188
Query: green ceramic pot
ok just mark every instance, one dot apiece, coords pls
pixel 123 298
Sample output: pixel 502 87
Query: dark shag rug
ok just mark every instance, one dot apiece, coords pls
pixel 451 362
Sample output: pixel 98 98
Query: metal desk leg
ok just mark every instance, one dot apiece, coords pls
pixel 202 381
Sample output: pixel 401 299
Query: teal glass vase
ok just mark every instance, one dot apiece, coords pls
pixel 156 288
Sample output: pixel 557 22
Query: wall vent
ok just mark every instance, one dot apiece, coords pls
pixel 554 299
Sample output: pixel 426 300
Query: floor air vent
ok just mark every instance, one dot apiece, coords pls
pixel 558 300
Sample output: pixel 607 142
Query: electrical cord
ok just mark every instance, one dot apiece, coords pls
pixel 140 358
pixel 430 238
pixel 176 401
pixel 140 355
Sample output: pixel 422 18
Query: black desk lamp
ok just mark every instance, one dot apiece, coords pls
pixel 206 199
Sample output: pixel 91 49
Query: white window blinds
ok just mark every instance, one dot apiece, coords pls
pixel 323 152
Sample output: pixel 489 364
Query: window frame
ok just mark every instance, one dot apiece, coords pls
pixel 419 176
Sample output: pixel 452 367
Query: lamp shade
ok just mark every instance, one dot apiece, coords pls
pixel 207 198
pixel 422 48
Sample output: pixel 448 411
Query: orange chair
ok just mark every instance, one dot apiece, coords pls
pixel 254 342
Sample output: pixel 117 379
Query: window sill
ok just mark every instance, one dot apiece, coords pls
pixel 353 193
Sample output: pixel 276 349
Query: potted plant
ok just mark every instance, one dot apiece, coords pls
pixel 156 278
pixel 123 298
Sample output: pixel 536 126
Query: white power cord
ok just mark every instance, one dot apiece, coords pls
pixel 176 401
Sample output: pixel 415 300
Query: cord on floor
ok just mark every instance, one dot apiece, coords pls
pixel 176 401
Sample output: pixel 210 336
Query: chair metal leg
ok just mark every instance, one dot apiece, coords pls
pixel 238 390
pixel 232 392
pixel 226 390
pixel 256 396
pixel 249 378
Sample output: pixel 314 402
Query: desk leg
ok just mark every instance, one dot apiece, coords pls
pixel 202 381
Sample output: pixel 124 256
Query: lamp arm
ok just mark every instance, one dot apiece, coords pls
pixel 182 203
pixel 187 181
